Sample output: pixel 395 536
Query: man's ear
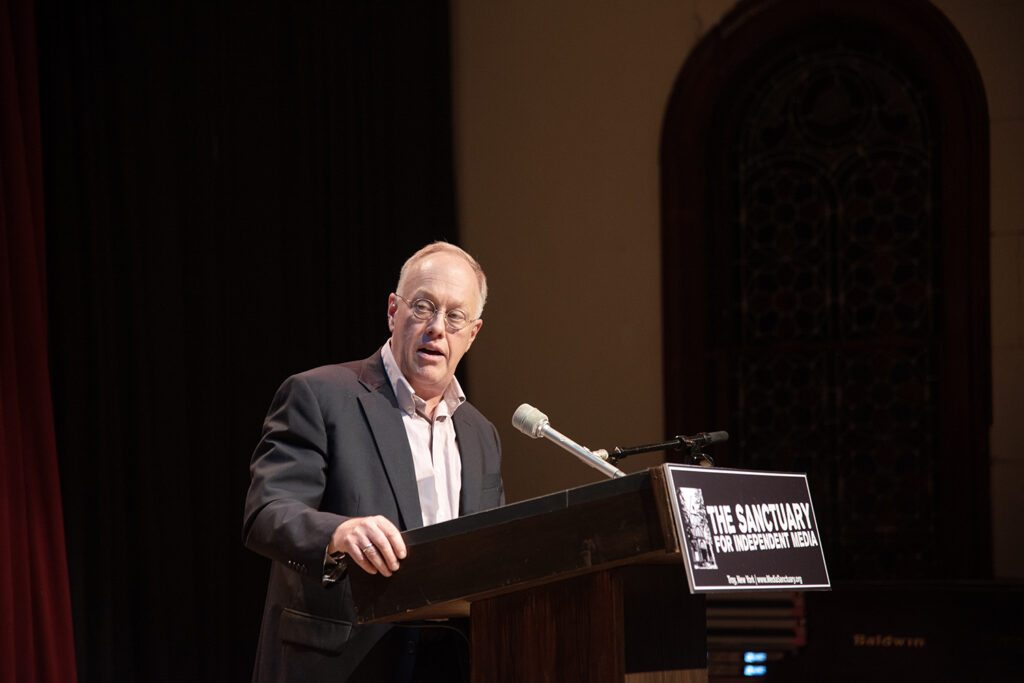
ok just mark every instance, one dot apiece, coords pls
pixel 392 309
pixel 477 324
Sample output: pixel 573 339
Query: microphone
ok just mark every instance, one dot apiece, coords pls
pixel 534 424
pixel 704 439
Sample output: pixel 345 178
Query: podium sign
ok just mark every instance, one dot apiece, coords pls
pixel 746 530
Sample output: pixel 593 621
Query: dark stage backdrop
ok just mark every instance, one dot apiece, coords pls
pixel 230 191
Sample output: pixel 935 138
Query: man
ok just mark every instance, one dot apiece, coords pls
pixel 352 454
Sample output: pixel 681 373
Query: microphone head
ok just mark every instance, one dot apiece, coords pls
pixel 529 420
pixel 704 439
pixel 717 437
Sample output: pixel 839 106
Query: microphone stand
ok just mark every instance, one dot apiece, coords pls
pixel 677 444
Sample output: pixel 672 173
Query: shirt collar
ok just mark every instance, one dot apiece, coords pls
pixel 408 401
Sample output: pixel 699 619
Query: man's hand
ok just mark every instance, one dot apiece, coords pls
pixel 373 543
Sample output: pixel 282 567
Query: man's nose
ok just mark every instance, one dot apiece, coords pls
pixel 435 326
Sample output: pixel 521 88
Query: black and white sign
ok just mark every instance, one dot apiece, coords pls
pixel 746 530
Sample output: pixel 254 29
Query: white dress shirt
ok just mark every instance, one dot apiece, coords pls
pixel 435 453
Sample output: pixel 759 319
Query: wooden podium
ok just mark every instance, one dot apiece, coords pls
pixel 583 585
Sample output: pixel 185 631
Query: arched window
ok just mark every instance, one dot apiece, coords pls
pixel 825 241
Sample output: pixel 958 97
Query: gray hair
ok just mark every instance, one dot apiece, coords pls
pixel 441 246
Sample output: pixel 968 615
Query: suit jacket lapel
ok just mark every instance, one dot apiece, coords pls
pixel 470 449
pixel 385 419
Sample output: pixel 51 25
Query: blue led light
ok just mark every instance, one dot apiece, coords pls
pixel 755 670
pixel 751 657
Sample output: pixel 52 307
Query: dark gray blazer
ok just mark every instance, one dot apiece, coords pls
pixel 333 447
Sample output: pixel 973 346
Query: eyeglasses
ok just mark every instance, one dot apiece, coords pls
pixel 425 309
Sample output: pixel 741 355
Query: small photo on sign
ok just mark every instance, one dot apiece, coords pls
pixel 697 528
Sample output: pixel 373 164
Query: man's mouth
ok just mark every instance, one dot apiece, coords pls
pixel 431 352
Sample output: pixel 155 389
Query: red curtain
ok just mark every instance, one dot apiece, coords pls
pixel 36 642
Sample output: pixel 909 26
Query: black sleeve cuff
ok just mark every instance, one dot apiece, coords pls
pixel 335 567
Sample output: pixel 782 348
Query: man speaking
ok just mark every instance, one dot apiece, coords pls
pixel 350 456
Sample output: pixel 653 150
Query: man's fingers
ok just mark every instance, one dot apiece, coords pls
pixel 387 540
pixel 374 543
pixel 397 542
pixel 373 561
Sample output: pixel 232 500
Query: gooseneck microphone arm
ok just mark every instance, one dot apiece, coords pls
pixel 534 424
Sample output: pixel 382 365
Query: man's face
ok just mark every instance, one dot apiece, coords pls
pixel 426 350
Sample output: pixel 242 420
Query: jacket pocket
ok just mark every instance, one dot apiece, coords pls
pixel 492 493
pixel 321 633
